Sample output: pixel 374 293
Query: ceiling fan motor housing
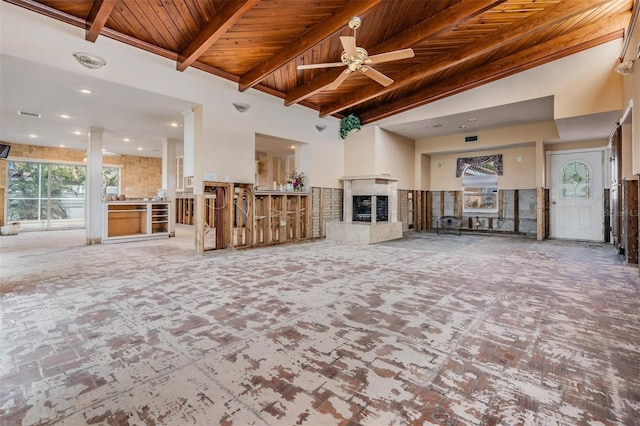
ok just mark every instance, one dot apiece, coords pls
pixel 356 63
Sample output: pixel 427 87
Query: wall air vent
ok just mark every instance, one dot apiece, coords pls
pixel 29 114
pixel 470 139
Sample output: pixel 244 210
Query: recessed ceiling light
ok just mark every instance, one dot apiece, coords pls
pixel 471 120
pixel 64 116
pixel 104 149
pixel 126 139
pixel 293 147
pixel 462 126
pixel 139 148
pixel 174 124
pixel 33 135
pixel 86 91
pixel 77 132
pixel 61 145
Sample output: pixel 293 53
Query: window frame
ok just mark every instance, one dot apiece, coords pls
pixel 482 188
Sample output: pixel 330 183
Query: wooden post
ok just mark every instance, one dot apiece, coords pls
pixel 516 211
pixel 541 205
pixel 457 209
pixel 630 220
pixel 199 222
pixel 306 217
pixel 268 237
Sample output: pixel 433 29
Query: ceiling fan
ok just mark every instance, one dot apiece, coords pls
pixel 357 59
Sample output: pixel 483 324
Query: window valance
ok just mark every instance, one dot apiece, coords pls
pixel 489 162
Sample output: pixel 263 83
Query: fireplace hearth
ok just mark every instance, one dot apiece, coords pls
pixel 370 211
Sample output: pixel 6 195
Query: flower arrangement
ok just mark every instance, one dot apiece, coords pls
pixel 296 180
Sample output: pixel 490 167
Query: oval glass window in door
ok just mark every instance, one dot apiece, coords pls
pixel 575 182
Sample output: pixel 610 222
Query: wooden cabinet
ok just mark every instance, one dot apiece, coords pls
pixel 159 218
pixel 135 220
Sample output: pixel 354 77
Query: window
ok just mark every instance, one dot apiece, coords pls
pixel 110 181
pixel 46 195
pixel 480 190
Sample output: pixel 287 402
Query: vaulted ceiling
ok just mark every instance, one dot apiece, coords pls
pixel 259 44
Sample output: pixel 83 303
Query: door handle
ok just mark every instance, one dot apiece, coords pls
pixel 553 202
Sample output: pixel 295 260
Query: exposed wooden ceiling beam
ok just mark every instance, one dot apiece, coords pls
pixel 551 16
pixel 97 18
pixel 215 28
pixel 454 15
pixel 568 44
pixel 49 11
pixel 313 36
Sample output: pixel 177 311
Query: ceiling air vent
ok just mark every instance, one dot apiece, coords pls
pixel 29 114
pixel 470 139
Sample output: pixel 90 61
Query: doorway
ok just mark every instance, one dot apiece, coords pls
pixel 576 195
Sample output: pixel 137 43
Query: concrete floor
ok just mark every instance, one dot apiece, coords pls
pixel 429 329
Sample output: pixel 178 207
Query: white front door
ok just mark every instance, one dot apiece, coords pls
pixel 576 195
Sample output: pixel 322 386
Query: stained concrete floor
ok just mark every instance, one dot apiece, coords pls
pixel 446 330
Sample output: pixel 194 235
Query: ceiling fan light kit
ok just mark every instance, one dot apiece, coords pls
pixel 356 58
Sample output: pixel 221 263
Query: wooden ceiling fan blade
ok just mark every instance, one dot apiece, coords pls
pixel 349 45
pixel 314 66
pixel 338 81
pixel 390 56
pixel 376 76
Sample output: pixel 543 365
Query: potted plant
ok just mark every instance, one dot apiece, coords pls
pixel 347 124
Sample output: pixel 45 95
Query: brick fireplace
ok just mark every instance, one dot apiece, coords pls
pixel 370 212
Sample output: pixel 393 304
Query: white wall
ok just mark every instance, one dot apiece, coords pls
pixel 359 152
pixel 582 83
pixel 631 97
pixel 228 137
pixel 394 156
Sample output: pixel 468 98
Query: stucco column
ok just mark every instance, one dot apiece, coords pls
pixel 93 206
pixel 193 159
pixel 169 179
pixel 393 201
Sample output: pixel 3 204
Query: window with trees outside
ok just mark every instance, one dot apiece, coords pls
pixel 50 195
pixel 480 190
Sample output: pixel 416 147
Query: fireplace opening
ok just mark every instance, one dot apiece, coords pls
pixel 362 208
pixel 382 208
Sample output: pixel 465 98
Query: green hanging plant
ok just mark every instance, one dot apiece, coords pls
pixel 347 124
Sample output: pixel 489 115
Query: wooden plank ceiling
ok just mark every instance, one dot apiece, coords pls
pixel 458 44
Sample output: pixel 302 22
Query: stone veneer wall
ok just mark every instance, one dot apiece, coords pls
pixel 403 209
pixel 326 206
pixel 141 176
